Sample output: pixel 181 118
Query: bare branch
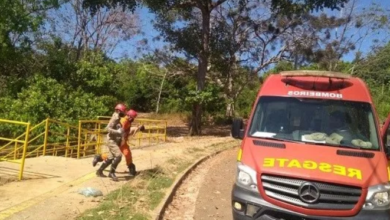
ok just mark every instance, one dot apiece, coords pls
pixel 188 4
pixel 217 3
pixel 274 59
pixel 104 30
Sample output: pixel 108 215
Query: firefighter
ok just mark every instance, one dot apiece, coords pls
pixel 114 138
pixel 124 147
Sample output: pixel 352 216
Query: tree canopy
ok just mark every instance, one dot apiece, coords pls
pixel 57 63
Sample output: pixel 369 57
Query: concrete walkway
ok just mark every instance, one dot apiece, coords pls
pixel 53 193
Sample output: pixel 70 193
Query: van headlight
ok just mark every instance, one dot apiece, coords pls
pixel 378 197
pixel 246 177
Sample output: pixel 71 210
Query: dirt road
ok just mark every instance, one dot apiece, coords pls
pixel 205 194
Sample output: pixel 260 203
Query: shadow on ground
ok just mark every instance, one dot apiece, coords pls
pixel 149 173
pixel 8 174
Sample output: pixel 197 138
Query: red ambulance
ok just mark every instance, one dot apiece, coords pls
pixel 313 148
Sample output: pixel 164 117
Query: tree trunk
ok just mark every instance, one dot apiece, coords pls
pixel 159 93
pixel 230 109
pixel 197 106
pixel 202 70
pixel 229 92
pixel 196 121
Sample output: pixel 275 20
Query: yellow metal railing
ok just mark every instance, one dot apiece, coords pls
pixel 90 137
pixel 155 131
pixel 6 152
pixel 55 138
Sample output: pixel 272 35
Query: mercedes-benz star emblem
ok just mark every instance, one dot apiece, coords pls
pixel 308 192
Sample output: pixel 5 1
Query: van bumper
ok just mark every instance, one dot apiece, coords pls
pixel 256 208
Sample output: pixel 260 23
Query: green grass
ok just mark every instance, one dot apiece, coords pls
pixel 194 150
pixel 159 183
pixel 125 193
pixel 180 164
pixel 137 198
pixel 155 199
pixel 116 205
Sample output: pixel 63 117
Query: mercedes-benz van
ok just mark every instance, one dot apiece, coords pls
pixel 313 148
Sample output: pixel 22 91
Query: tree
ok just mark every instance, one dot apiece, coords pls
pixel 194 36
pixel 94 6
pixel 245 41
pixel 325 38
pixel 101 30
pixel 18 18
pixel 375 68
pixel 187 25
pixel 293 7
pixel 19 25
pixel 48 98
pixel 193 39
pixel 170 67
pixel 253 35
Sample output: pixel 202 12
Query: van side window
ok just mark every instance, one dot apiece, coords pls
pixel 258 120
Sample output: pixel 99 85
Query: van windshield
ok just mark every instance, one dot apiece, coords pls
pixel 326 122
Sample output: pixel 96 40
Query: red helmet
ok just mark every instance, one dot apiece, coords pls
pixel 131 113
pixel 120 107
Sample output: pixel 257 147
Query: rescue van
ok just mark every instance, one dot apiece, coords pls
pixel 312 148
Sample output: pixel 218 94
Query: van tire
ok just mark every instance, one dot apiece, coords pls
pixel 237 125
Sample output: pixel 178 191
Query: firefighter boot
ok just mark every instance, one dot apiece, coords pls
pixel 132 169
pixel 112 175
pixel 114 165
pixel 97 159
pixel 104 165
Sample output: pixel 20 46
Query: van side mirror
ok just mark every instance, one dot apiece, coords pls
pixel 387 151
pixel 238 128
pixel 385 135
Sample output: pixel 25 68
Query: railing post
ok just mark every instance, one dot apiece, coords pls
pixel 46 136
pixel 67 142
pixel 157 133
pixel 79 141
pixel 165 132
pixel 140 136
pixel 98 139
pixel 15 149
pixel 86 143
pixel 24 151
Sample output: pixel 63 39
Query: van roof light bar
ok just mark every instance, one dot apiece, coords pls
pixel 329 74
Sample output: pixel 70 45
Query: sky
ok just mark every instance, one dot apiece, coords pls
pixel 127 49
pixel 149 32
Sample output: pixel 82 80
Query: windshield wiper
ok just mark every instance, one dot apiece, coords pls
pixel 334 145
pixel 280 139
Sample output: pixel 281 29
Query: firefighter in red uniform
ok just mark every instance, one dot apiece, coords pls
pixel 125 148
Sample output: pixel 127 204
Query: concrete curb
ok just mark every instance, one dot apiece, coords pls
pixel 179 180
